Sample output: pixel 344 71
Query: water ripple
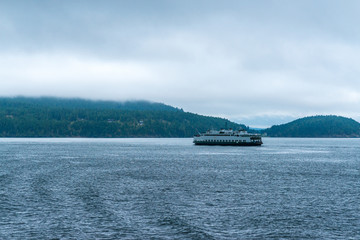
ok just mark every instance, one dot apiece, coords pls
pixel 171 189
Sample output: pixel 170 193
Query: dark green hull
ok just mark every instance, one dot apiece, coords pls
pixel 228 143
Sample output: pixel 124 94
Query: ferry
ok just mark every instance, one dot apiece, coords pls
pixel 228 137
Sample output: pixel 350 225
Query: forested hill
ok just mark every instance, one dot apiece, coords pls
pixel 56 117
pixel 317 126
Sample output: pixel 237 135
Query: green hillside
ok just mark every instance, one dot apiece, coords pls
pixel 317 126
pixel 56 117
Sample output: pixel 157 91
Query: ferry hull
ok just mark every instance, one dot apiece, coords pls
pixel 228 143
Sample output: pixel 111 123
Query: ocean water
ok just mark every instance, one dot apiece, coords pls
pixel 171 189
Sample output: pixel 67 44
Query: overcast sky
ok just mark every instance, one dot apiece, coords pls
pixel 255 62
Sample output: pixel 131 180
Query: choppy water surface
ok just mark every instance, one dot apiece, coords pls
pixel 171 189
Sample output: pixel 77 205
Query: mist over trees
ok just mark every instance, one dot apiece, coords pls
pixel 56 117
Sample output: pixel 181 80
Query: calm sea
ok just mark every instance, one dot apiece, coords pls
pixel 171 189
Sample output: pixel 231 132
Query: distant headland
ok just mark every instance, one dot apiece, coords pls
pixel 317 126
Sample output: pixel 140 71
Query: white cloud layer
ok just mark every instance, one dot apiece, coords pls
pixel 258 63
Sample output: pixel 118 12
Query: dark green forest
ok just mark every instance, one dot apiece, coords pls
pixel 57 117
pixel 317 126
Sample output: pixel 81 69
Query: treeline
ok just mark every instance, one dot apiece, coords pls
pixel 317 126
pixel 78 103
pixel 50 117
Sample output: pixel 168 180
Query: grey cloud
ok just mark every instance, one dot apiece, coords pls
pixel 225 58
